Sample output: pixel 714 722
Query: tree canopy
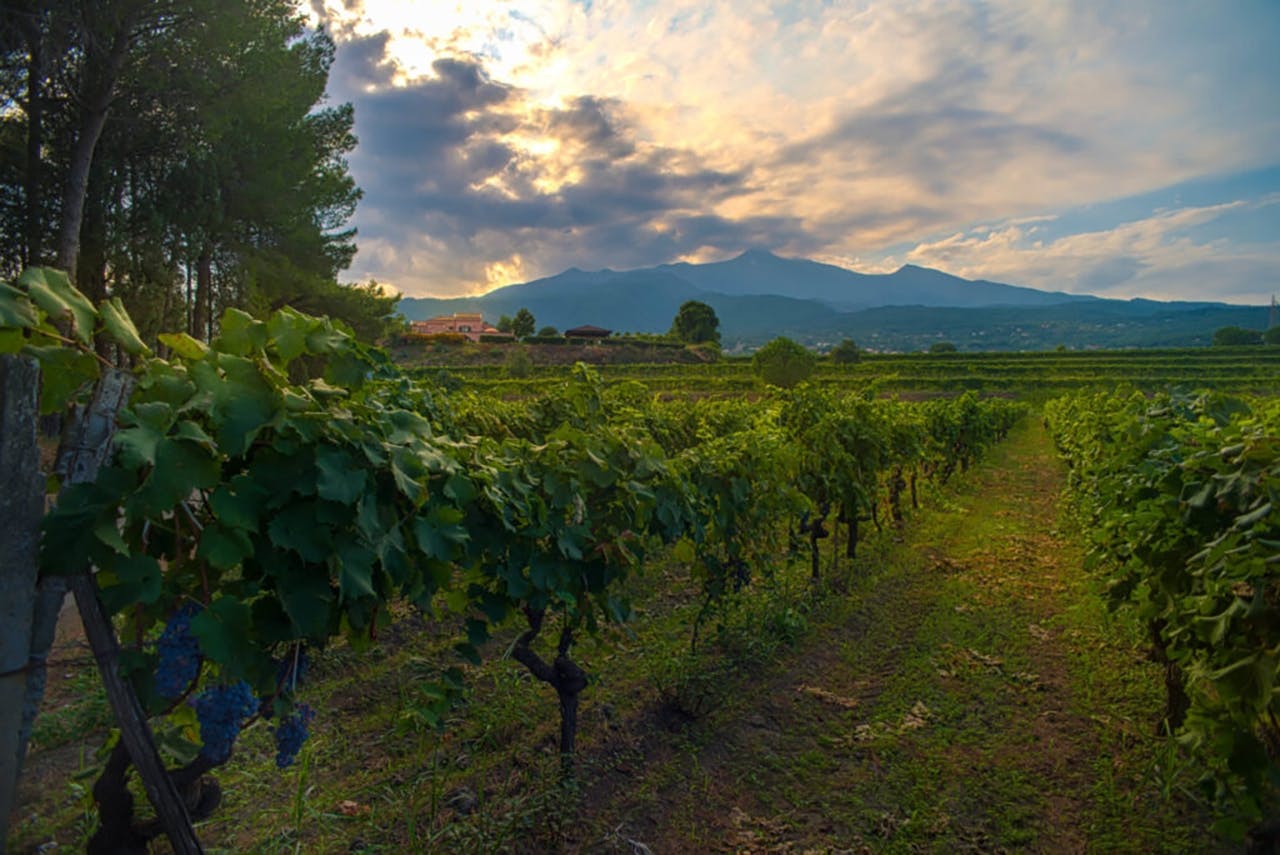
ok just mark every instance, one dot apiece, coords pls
pixel 145 152
pixel 1236 336
pixel 523 324
pixel 846 352
pixel 782 362
pixel 695 323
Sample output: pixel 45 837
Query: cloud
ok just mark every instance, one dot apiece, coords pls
pixel 471 180
pixel 1156 256
pixel 513 139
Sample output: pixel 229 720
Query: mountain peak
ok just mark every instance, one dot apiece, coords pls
pixel 757 254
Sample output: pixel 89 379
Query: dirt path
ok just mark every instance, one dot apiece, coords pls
pixel 970 696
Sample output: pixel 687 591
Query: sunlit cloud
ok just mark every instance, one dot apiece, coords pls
pixel 1154 257
pixel 624 134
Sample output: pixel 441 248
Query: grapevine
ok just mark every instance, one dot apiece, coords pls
pixel 284 485
pixel 1181 500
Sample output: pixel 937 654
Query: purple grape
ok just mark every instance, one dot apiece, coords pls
pixel 222 711
pixel 291 733
pixel 178 653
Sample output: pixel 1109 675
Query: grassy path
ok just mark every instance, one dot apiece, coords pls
pixel 971 696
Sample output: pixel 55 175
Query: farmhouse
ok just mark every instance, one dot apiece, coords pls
pixel 587 331
pixel 470 324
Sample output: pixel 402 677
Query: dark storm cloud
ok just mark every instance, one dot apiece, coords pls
pixel 434 161
pixel 592 121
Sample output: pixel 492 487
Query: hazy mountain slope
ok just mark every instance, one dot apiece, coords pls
pixel 758 272
pixel 759 295
pixel 639 301
pixel 1099 323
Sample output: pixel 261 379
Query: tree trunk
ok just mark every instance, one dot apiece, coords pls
pixel 835 547
pixel 33 245
pixel 21 508
pixel 1177 702
pixel 570 681
pixel 85 447
pixel 896 485
pixel 101 74
pixel 851 547
pixel 201 326
pixel 91 263
pixel 915 502
pixel 815 571
pixel 563 675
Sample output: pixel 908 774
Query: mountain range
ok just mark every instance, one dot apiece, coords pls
pixel 759 295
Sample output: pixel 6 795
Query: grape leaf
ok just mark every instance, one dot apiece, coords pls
pixel 225 632
pixel 131 579
pixel 224 547
pixel 184 345
pixel 340 479
pixel 52 291
pixel 119 326
pixel 64 372
pixel 16 309
pixel 240 333
pixel 181 468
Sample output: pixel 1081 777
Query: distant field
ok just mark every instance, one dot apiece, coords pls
pixel 1247 369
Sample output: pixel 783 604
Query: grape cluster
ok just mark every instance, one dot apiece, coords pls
pixel 178 653
pixel 291 733
pixel 221 711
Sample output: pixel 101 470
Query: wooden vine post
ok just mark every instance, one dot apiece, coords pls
pixel 78 461
pixel 86 445
pixel 21 507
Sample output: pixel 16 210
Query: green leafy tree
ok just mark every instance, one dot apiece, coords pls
pixel 1235 337
pixel 167 174
pixel 942 347
pixel 504 324
pixel 696 322
pixel 366 308
pixel 523 324
pixel 782 362
pixel 548 332
pixel 1272 336
pixel 846 352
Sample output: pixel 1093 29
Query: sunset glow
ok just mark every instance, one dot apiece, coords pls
pixel 1140 139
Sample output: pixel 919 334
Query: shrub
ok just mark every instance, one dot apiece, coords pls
pixel 1235 336
pixel 782 362
pixel 846 352
pixel 519 364
pixel 450 338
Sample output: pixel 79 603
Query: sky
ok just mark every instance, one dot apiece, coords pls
pixel 1124 149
